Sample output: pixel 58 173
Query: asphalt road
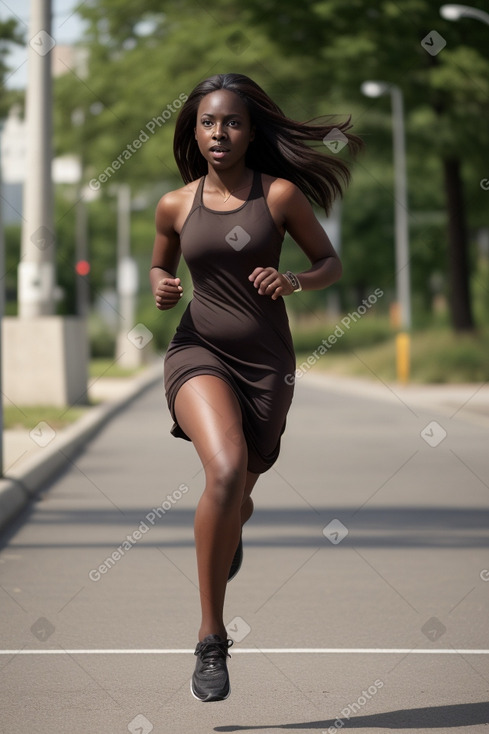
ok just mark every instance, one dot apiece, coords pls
pixel 362 602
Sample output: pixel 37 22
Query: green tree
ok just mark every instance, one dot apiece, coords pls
pixel 311 57
pixel 9 33
pixel 120 114
pixel 395 42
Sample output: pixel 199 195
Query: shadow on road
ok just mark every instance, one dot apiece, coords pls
pixel 431 717
pixel 377 527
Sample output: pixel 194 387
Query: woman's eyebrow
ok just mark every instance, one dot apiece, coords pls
pixel 231 114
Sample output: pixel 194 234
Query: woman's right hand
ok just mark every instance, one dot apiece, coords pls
pixel 168 293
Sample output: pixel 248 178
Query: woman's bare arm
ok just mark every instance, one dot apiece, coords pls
pixel 290 207
pixel 166 287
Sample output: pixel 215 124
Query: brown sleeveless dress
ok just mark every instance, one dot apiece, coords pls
pixel 230 331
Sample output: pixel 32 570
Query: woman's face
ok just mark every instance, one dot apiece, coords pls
pixel 223 129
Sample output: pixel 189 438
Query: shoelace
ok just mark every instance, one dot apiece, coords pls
pixel 211 652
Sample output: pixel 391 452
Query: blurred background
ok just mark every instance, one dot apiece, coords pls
pixel 120 72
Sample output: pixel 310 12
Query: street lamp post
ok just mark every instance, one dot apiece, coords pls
pixel 128 353
pixel 81 233
pixel 47 357
pixel 403 284
pixel 455 12
pixel 36 269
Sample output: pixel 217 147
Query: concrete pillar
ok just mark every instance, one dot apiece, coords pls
pixel 44 356
pixel 36 274
pixel 45 360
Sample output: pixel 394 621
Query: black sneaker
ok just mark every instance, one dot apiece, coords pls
pixel 210 680
pixel 237 560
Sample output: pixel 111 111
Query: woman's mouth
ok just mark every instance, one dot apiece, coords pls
pixel 219 151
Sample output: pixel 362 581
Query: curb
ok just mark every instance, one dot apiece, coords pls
pixel 20 487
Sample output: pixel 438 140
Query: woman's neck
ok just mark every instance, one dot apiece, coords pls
pixel 226 183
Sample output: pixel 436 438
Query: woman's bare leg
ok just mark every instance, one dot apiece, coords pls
pixel 247 502
pixel 209 412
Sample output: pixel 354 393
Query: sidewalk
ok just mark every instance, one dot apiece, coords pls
pixel 20 446
pixel 32 457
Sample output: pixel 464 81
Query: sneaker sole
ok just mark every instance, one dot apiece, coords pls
pixel 212 698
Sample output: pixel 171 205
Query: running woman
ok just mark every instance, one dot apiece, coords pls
pixel 250 176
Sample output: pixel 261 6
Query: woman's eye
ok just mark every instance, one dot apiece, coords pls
pixel 206 123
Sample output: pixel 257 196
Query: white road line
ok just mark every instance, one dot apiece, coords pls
pixel 258 651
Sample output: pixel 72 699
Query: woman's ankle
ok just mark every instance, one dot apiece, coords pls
pixel 207 630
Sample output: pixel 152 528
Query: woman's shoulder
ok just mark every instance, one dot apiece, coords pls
pixel 279 188
pixel 172 202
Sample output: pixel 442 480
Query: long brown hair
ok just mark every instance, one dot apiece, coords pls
pixel 280 146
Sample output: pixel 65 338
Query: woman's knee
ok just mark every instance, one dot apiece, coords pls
pixel 226 478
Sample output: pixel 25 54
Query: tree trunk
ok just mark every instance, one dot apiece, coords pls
pixel 458 256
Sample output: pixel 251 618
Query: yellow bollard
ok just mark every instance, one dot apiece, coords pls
pixel 403 342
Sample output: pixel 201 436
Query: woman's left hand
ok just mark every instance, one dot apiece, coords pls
pixel 269 282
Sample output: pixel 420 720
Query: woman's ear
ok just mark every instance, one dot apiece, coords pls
pixel 195 133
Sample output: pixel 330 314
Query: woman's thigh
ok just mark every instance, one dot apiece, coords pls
pixel 209 412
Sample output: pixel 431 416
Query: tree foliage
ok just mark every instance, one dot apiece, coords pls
pixel 311 57
pixel 9 33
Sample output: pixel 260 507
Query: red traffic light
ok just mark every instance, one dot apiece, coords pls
pixel 82 267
